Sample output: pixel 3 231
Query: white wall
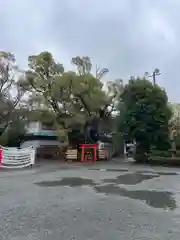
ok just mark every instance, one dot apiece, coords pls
pixel 33 127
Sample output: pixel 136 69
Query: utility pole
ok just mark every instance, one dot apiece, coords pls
pixel 155 73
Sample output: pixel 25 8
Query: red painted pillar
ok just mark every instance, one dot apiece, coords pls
pixel 95 152
pixel 95 157
pixel 82 155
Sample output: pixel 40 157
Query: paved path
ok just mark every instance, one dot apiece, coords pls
pixel 108 202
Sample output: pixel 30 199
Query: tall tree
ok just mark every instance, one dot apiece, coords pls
pixel 71 97
pixel 145 116
pixel 10 91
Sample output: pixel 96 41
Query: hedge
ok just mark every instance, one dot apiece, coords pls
pixel 160 160
pixel 160 153
pixel 156 157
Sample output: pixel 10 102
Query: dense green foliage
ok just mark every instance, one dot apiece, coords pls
pixel 14 134
pixel 52 95
pixel 145 116
pixel 80 106
pixel 12 112
pixel 74 98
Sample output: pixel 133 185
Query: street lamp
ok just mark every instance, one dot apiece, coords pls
pixel 154 74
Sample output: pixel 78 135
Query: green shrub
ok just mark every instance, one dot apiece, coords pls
pixel 164 161
pixel 160 153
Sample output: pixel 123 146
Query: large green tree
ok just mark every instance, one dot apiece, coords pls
pixel 11 93
pixel 144 116
pixel 72 98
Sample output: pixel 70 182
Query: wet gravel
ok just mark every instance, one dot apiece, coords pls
pixel 84 203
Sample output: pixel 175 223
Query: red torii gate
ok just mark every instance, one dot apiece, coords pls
pixel 85 146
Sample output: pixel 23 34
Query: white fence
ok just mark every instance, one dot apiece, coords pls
pixel 16 158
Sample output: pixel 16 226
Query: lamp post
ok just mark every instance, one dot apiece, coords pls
pixel 155 73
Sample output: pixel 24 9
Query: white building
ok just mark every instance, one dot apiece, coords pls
pixel 42 137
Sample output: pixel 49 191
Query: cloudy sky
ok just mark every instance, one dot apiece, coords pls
pixel 128 37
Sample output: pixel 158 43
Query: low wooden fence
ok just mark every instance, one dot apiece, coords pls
pixel 102 154
pixel 71 154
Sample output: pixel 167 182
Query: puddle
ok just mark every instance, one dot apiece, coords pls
pixel 154 199
pixel 167 173
pixel 72 182
pixel 131 178
pixel 109 170
pixel 117 170
pixel 140 171
pixel 160 173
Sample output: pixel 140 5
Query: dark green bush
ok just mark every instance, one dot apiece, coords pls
pixel 164 161
pixel 156 157
pixel 160 153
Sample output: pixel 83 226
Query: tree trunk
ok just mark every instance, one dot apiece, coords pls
pixel 141 153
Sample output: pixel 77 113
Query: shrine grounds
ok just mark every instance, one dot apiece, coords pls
pixel 102 201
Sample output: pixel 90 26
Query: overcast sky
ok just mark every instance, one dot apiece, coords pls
pixel 128 37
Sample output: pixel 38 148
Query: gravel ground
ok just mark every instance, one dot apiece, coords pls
pixel 83 202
